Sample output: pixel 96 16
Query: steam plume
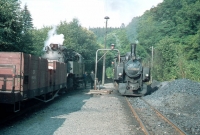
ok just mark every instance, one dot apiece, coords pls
pixel 53 38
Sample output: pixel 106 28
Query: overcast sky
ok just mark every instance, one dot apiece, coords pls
pixel 90 13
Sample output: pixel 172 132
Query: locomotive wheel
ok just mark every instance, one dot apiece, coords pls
pixel 143 91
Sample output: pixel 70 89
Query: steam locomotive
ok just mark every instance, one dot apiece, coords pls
pixel 129 74
pixel 74 61
pixel 24 76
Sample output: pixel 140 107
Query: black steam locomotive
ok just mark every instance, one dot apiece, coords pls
pixel 75 63
pixel 130 75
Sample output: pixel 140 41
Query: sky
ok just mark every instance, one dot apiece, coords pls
pixel 90 13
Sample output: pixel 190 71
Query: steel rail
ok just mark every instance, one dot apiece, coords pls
pixel 165 118
pixel 144 129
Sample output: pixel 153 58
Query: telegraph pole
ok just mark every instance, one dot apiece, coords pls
pixel 151 63
pixel 104 58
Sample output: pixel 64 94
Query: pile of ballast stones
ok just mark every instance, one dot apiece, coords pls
pixel 179 100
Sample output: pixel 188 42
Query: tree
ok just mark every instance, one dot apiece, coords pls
pixel 10 25
pixel 173 29
pixel 81 40
pixel 26 43
pixel 39 36
pixel 165 60
pixel 26 19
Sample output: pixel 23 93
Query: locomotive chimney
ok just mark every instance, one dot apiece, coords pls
pixel 133 51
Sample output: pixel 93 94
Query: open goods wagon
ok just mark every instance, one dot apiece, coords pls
pixel 24 76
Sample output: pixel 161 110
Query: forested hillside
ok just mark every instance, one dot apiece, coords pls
pixel 100 32
pixel 173 29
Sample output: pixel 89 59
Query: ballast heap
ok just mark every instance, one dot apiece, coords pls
pixel 74 60
pixel 130 75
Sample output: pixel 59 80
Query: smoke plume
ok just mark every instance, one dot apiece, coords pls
pixel 53 38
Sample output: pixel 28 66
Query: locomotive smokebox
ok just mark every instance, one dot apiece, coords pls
pixel 133 51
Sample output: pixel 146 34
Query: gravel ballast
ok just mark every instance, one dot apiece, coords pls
pixel 78 113
pixel 153 123
pixel 179 100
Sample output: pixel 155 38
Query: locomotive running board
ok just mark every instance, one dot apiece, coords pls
pixel 44 100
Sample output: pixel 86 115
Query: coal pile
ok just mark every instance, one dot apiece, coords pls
pixel 179 100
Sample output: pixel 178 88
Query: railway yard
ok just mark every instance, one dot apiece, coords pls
pixel 172 108
pixel 51 76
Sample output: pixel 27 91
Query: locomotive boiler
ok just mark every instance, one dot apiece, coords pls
pixel 129 75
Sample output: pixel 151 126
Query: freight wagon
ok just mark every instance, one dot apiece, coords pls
pixel 25 76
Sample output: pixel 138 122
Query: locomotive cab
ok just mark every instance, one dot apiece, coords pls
pixel 130 75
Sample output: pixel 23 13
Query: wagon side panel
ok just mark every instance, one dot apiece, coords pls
pixel 12 76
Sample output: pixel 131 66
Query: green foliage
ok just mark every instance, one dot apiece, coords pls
pixel 170 62
pixel 109 72
pixel 142 53
pixel 124 44
pixel 192 46
pixel 10 25
pixel 132 29
pixel 193 70
pixel 15 27
pixel 165 58
pixel 26 42
pixel 146 29
pixel 173 28
pixel 111 39
pixel 39 36
pixel 81 40
pixel 26 19
pixel 101 32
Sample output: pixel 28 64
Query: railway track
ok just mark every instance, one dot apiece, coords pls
pixel 29 108
pixel 152 121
